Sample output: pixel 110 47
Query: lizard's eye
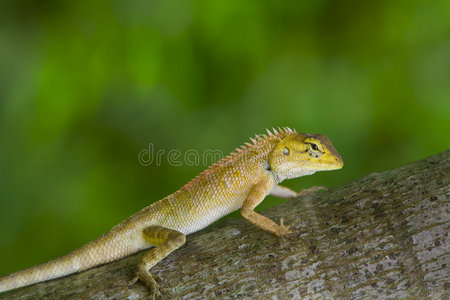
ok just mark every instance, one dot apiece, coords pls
pixel 286 151
pixel 314 150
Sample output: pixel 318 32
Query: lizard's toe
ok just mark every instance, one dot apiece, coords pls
pixel 312 190
pixel 284 231
pixel 151 282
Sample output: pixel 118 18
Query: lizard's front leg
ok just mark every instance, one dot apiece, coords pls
pixel 256 196
pixel 285 192
pixel 282 192
pixel 166 241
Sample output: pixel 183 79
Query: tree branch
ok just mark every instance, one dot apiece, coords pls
pixel 385 235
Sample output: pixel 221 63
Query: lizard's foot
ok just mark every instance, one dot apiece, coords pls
pixel 150 281
pixel 311 190
pixel 284 231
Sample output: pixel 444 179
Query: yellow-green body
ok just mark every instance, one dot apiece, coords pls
pixel 239 181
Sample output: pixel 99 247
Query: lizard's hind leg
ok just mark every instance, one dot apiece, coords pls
pixel 165 241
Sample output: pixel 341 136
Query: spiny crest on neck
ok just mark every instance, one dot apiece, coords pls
pixel 258 141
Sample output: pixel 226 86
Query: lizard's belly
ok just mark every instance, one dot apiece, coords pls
pixel 197 214
pixel 184 220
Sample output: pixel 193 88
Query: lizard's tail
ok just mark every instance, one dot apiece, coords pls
pixel 53 269
pixel 97 252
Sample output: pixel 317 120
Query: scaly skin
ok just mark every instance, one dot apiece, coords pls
pixel 239 181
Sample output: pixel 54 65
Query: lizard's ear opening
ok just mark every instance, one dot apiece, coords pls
pixel 283 155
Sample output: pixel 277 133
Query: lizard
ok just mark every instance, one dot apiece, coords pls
pixel 240 180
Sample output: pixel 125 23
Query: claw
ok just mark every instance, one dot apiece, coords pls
pixel 151 282
pixel 285 226
pixel 134 280
pixel 311 190
pixel 284 232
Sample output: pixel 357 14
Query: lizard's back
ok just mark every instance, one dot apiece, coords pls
pixel 213 194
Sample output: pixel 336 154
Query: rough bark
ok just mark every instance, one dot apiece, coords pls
pixel 383 236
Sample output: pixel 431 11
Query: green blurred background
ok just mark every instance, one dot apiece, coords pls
pixel 86 85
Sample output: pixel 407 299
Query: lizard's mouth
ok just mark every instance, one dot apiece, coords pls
pixel 326 164
pixel 330 162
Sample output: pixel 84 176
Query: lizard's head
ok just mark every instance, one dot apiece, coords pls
pixel 301 154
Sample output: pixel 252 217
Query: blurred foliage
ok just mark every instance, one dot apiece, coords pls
pixel 86 85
